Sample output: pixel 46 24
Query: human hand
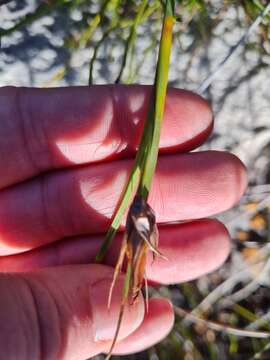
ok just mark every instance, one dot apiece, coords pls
pixel 65 155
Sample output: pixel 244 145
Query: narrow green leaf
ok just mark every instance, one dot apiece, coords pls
pixel 156 113
pixel 131 38
pixel 145 162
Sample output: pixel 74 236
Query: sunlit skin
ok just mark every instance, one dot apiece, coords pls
pixel 64 158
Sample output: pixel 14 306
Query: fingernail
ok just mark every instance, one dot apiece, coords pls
pixel 104 319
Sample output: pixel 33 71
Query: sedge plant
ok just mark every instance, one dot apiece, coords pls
pixel 141 233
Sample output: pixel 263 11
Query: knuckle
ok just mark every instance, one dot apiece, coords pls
pixel 52 211
pixel 33 134
pixel 45 318
pixel 30 319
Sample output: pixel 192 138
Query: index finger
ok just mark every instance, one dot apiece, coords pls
pixel 44 129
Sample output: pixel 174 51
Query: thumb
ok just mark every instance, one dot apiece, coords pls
pixel 61 313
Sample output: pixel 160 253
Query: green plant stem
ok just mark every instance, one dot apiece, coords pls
pixel 130 189
pixel 156 114
pixel 131 38
pixel 114 23
pixel 93 59
pixel 146 158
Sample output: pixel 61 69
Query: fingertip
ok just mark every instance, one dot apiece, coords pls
pixel 234 174
pixel 105 317
pixel 201 184
pixel 240 174
pixel 190 100
pixel 193 249
pixel 157 324
pixel 188 120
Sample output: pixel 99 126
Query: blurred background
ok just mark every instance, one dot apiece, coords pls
pixel 221 50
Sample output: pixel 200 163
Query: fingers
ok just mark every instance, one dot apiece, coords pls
pixel 157 323
pixel 44 129
pixel 187 186
pixel 185 246
pixel 203 247
pixel 62 314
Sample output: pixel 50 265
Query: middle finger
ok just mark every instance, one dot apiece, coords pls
pixel 82 201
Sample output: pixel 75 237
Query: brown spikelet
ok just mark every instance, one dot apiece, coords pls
pixel 140 237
